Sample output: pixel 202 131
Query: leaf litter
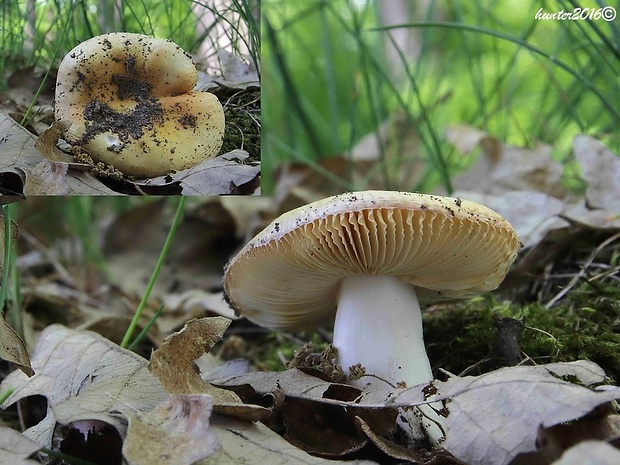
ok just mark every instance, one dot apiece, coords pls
pixel 506 412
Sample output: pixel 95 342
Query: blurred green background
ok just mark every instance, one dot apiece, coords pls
pixel 335 70
pixel 40 32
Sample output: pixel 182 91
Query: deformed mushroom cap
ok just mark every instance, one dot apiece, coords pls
pixel 130 101
pixel 288 276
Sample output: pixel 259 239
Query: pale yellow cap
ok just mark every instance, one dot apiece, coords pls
pixel 130 101
pixel 288 276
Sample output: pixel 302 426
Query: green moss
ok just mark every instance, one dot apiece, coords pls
pixel 586 325
pixel 243 126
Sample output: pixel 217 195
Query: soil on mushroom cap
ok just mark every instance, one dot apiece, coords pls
pixel 101 118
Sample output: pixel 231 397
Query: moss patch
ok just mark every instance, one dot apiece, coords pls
pixel 243 126
pixel 586 325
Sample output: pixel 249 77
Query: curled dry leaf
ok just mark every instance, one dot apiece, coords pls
pixel 83 376
pixel 247 443
pixel 175 432
pixel 16 448
pixel 13 349
pixel 46 143
pixel 32 174
pixel 173 364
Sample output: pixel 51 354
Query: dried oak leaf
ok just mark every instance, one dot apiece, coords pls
pixel 84 377
pixel 175 432
pixel 173 364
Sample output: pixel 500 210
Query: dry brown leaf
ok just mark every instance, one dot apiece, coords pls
pixel 175 432
pixel 319 429
pixel 503 167
pixel 15 448
pixel 173 364
pixel 248 213
pixel 601 170
pixel 247 443
pixel 13 349
pixel 46 143
pixel 83 376
pixel 221 175
pixel 38 176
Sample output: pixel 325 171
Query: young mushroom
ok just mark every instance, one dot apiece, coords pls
pixel 130 101
pixel 369 259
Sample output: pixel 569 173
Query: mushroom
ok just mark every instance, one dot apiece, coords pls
pixel 369 259
pixel 130 101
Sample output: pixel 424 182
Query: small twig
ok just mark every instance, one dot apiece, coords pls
pixel 583 270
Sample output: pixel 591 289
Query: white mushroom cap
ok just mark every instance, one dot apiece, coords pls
pixel 130 101
pixel 289 275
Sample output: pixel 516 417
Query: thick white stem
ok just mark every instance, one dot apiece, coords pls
pixel 379 324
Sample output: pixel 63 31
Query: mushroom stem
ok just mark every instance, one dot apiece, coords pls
pixel 379 324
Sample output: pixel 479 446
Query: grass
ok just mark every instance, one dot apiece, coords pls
pixel 495 67
pixel 40 33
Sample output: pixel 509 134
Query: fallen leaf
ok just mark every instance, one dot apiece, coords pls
pixel 83 376
pixel 247 443
pixel 15 448
pixel 31 174
pixel 497 415
pixel 503 167
pixel 46 143
pixel 552 442
pixel 175 432
pixel 601 170
pixel 51 179
pixel 173 364
pixel 235 72
pixel 13 349
pixel 221 175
